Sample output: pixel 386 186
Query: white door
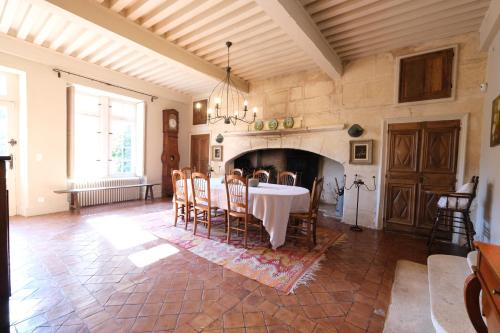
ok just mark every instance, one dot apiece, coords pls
pixel 8 147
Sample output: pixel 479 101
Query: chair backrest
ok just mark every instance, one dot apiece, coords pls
pixel 237 172
pixel 179 182
pixel 316 196
pixel 200 188
pixel 287 178
pixel 262 175
pixel 474 180
pixel 188 171
pixel 236 193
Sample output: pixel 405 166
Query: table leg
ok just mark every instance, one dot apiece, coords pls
pixel 151 193
pixel 146 194
pixel 74 203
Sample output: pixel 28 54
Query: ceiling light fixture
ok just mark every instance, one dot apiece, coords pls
pixel 226 100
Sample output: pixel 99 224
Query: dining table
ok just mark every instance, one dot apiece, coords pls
pixel 270 203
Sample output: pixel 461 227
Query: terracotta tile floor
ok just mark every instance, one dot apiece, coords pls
pixel 72 273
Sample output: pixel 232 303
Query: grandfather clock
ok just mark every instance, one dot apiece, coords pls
pixel 170 155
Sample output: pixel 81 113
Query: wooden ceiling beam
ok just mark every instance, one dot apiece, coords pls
pixel 121 29
pixel 296 21
pixel 490 25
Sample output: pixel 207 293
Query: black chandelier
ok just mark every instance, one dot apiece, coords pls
pixel 226 96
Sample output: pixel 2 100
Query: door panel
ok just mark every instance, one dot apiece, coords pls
pixel 440 147
pixel 400 199
pixel 200 152
pixel 422 161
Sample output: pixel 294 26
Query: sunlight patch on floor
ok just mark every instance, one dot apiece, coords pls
pixel 152 255
pixel 122 232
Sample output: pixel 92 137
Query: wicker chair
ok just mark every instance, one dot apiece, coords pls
pixel 453 213
pixel 237 208
pixel 202 205
pixel 182 206
pixel 287 178
pixel 303 225
pixel 262 175
pixel 237 172
pixel 188 171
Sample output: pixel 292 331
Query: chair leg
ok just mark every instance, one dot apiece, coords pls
pixel 209 223
pixel 433 231
pixel 309 235
pixel 195 221
pixel 245 234
pixel 467 230
pixel 315 222
pixel 228 228
pixel 176 211
pixel 225 219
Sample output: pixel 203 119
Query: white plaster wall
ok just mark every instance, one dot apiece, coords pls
pixel 365 95
pixel 330 169
pixel 45 128
pixel 488 212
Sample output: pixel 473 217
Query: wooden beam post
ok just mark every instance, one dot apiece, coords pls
pixel 490 26
pixel 120 27
pixel 292 17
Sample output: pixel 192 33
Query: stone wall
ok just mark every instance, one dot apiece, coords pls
pixel 365 95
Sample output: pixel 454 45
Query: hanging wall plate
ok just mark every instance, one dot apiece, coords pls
pixel 273 124
pixel 288 122
pixel 355 131
pixel 259 125
pixel 219 138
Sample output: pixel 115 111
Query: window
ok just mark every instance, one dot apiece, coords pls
pixel 426 76
pixel 108 135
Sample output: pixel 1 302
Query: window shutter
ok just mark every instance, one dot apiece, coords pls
pixel 426 76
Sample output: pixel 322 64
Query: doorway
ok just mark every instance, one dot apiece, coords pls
pixel 9 127
pixel 200 152
pixel 421 162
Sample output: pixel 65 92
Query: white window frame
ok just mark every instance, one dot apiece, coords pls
pixel 105 140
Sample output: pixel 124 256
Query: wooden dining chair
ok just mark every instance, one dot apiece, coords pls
pixel 237 172
pixel 237 208
pixel 262 175
pixel 202 205
pixel 287 178
pixel 304 224
pixel 188 171
pixel 182 206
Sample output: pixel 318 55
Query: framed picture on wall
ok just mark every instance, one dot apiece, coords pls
pixel 495 122
pixel 361 152
pixel 217 153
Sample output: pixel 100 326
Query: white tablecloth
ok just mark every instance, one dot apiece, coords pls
pixel 270 203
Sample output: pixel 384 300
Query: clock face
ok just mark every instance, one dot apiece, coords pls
pixel 172 122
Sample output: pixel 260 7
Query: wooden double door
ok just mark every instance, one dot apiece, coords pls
pixel 422 161
pixel 200 149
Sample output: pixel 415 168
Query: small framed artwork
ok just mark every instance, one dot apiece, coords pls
pixel 361 152
pixel 495 122
pixel 217 153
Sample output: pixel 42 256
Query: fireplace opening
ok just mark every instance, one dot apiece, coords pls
pixel 306 164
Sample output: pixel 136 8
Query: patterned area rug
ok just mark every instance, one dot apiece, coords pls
pixel 284 269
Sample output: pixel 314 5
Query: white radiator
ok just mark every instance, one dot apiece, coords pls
pixel 107 196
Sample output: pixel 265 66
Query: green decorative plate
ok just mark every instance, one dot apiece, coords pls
pixel 259 125
pixel 273 124
pixel 288 122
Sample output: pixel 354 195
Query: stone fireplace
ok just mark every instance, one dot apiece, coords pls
pixel 331 146
pixel 306 164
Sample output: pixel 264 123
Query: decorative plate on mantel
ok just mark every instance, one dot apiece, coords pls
pixel 288 122
pixel 273 124
pixel 259 125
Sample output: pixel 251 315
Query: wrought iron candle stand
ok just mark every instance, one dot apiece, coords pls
pixel 358 182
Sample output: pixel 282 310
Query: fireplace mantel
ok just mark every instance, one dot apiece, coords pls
pixel 284 132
